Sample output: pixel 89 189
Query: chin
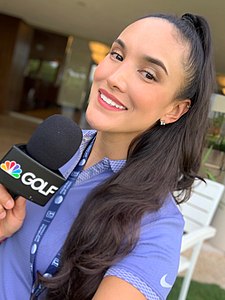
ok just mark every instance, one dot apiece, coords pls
pixel 92 120
pixel 98 123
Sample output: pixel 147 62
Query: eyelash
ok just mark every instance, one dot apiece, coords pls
pixel 116 55
pixel 119 57
pixel 148 74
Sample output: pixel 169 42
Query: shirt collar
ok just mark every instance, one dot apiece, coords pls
pixel 116 165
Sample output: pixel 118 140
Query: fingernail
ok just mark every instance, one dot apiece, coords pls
pixel 9 204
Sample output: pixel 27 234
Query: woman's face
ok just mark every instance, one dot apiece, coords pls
pixel 135 85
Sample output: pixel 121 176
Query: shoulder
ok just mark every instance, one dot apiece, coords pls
pixel 167 223
pixel 168 214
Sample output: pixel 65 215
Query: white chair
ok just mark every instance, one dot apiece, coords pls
pixel 198 213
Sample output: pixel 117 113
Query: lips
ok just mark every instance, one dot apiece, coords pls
pixel 109 101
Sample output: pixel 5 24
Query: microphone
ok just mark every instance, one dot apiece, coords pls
pixel 31 170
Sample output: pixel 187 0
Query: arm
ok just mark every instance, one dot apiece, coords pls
pixel 150 270
pixel 114 288
pixel 12 213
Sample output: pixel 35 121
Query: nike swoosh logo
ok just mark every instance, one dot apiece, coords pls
pixel 164 283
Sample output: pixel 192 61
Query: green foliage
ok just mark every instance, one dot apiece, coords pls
pixel 206 172
pixel 198 291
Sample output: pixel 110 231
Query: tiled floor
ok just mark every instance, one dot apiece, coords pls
pixel 211 264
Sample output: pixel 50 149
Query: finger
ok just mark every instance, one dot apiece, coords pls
pixel 19 209
pixel 6 199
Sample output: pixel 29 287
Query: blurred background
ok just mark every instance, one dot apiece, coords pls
pixel 49 49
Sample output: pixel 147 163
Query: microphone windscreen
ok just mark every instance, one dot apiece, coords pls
pixel 54 141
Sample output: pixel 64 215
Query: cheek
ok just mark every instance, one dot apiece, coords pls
pixel 150 101
pixel 100 72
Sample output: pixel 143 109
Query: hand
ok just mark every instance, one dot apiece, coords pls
pixel 12 213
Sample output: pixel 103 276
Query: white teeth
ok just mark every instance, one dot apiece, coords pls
pixel 110 102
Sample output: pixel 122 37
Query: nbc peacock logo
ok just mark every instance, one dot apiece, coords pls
pixel 12 168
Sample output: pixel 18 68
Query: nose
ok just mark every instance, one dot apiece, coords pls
pixel 118 78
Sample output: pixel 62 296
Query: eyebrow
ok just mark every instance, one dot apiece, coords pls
pixel 121 43
pixel 146 57
pixel 156 62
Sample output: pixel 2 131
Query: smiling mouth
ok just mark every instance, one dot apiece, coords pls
pixel 111 102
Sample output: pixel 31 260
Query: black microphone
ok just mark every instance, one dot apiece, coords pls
pixel 31 170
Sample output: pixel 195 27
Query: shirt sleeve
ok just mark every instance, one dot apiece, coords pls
pixel 152 266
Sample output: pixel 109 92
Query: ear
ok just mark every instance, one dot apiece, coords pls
pixel 179 108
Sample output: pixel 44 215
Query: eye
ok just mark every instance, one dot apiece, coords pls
pixel 148 75
pixel 116 55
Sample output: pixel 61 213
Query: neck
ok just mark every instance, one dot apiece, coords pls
pixel 110 145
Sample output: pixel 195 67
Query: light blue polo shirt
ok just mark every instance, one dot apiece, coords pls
pixel 151 267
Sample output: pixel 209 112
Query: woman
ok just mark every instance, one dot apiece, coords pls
pixel 149 106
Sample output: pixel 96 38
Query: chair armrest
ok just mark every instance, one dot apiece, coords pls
pixel 196 236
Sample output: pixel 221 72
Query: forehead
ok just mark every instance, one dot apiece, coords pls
pixel 152 27
pixel 155 37
pixel 153 30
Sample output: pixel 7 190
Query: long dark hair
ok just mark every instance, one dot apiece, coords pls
pixel 159 161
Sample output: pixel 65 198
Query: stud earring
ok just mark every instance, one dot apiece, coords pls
pixel 188 106
pixel 162 123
